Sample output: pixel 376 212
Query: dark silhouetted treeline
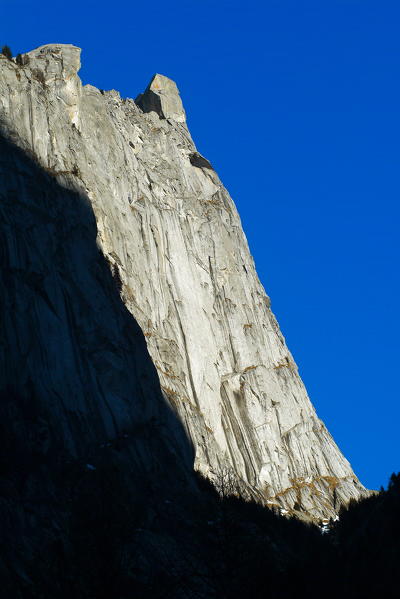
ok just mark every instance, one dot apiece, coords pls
pixel 71 529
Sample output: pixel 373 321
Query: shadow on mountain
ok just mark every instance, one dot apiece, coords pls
pixel 98 498
pixel 83 422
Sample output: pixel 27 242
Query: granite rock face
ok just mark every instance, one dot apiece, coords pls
pixel 175 245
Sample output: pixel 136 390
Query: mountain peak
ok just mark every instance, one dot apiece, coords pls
pixel 173 239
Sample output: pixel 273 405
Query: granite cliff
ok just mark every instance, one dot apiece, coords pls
pixel 98 192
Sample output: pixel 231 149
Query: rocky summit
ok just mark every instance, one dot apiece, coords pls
pixel 132 311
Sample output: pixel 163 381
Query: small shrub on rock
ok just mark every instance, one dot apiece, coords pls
pixel 6 51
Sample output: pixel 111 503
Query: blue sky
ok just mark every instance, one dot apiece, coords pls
pixel 296 104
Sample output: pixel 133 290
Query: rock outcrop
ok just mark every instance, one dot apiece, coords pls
pixel 162 96
pixel 174 242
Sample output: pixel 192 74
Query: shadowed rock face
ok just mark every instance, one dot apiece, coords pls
pixel 89 448
pixel 76 375
pixel 174 241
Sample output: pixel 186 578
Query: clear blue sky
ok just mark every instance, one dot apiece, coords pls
pixel 296 103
